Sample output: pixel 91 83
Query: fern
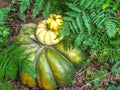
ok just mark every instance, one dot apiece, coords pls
pixel 78 39
pixel 47 6
pixel 47 9
pixel 94 28
pixel 38 5
pixel 4 31
pixel 85 16
pixel 3 15
pixel 110 3
pixel 24 4
pixel 6 86
pixel 9 65
pixel 111 29
pixel 27 66
pixel 116 5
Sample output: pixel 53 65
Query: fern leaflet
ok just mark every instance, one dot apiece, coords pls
pixel 38 5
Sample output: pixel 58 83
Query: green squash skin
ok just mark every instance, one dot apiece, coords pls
pixel 62 69
pixel 74 55
pixel 55 67
pixel 45 75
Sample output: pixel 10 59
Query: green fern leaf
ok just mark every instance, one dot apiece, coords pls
pixel 111 29
pixel 73 7
pixel 71 28
pixel 71 14
pixel 75 26
pixel 24 4
pixel 64 31
pixel 92 13
pixel 93 5
pixel 87 22
pixel 87 5
pixel 28 67
pixel 78 40
pixel 6 86
pixel 99 3
pixel 104 20
pixel 82 2
pixel 47 10
pixel 80 23
pixel 66 18
pixel 2 74
pixel 3 15
pixel 38 5
pixel 116 5
pixel 9 59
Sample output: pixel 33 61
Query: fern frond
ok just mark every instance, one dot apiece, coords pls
pixel 92 4
pixel 6 86
pixel 79 22
pixel 73 7
pixel 3 15
pixel 4 31
pixel 9 59
pixel 28 67
pixel 87 22
pixel 65 30
pixel 71 14
pixel 116 5
pixel 78 40
pixel 111 29
pixel 71 28
pixel 47 9
pixel 38 5
pixel 24 4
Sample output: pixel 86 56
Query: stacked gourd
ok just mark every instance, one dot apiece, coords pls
pixel 54 66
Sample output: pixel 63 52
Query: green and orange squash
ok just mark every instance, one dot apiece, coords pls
pixel 54 66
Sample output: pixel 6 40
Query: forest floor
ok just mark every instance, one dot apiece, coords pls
pixel 79 80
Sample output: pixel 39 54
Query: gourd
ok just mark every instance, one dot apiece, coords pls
pixel 54 66
pixel 54 22
pixel 45 35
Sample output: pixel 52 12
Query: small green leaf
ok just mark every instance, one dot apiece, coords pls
pixel 71 14
pixel 111 29
pixel 88 72
pixel 111 87
pixel 24 4
pixel 71 28
pixel 75 26
pixel 73 7
pixel 80 23
pixel 67 18
pixel 28 67
pixel 87 22
pixel 78 40
pixel 115 66
pixel 47 10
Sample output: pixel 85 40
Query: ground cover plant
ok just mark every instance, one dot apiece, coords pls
pixel 93 25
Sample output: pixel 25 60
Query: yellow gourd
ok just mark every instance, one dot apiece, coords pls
pixel 54 22
pixel 45 35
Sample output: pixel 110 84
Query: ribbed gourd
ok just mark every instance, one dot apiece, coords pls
pixel 54 22
pixel 54 66
pixel 45 35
